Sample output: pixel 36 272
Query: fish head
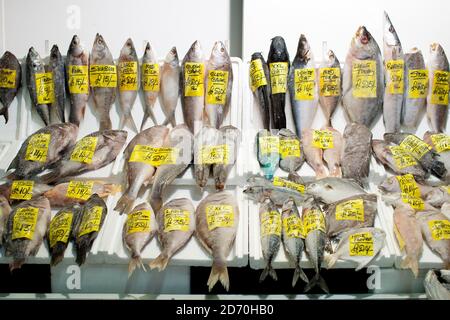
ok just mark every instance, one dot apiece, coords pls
pixel 389 185
pixel 128 49
pixel 172 57
pixel 256 193
pixel 75 48
pixel 389 33
pixel 303 48
pixel 332 59
pixel 318 187
pixel 34 58
pixel 149 53
pixel 54 52
pixel 100 49
pixel 195 52
pixel 437 55
pixel 378 146
pixel 435 196
pixel 257 55
pixel 277 48
pixel 288 205
pixel 219 53
pixel 364 44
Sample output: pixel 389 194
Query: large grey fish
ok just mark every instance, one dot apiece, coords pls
pixel 170 86
pixel 278 53
pixel 92 217
pixel 217 220
pixel 182 142
pixel 192 87
pixel 84 156
pixel 292 156
pixel 10 81
pixel 77 64
pixel 363 100
pixel 37 190
pixel 304 109
pixel 43 148
pixel 5 210
pixel 104 96
pixel 313 155
pixel 57 68
pixel 35 66
pixel 328 98
pixel 267 152
pixel 25 230
pixel 332 156
pixel 231 138
pixel 262 92
pixel 176 225
pixel 357 152
pixel 207 137
pixel 333 189
pixel 151 83
pixel 437 99
pixel 440 144
pixel 139 172
pixel 218 85
pixel 394 71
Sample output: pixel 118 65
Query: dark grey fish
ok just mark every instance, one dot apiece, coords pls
pixel 262 93
pixel 8 65
pixel 56 66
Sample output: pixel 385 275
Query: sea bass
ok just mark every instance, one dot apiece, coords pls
pixel 151 83
pixel 11 73
pixel 170 86
pixel 261 93
pixel 57 68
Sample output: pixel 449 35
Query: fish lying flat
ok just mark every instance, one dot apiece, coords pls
pixel 357 152
pixel 359 245
pixel 231 137
pixel 267 152
pixel 176 225
pixel 206 138
pixel 438 196
pixel 332 189
pixel 151 83
pixel 25 230
pixel 12 71
pixel 94 151
pixel 313 155
pixel 57 68
pixel 261 90
pixel 292 156
pixel 42 149
pixel 440 144
pixel 304 96
pixel 330 92
pixel 14 193
pixel 392 185
pixel 217 220
pixel 138 230
pixel 5 210
pixel 170 86
pixel 332 156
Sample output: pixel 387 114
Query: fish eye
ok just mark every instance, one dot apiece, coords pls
pixel 329 187
pixel 391 29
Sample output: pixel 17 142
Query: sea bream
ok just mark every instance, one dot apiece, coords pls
pixel 10 81
pixel 170 86
pixel 151 83
pixel 57 68
pixel 330 91
pixel 261 94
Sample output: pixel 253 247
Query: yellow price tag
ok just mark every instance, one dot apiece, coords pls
pixel 279 182
pixel 350 210
pixel 24 223
pixel 289 148
pixel 401 158
pixel 441 142
pixel 439 90
pixel 440 229
pixel 330 82
pixel 323 139
pixel 78 79
pixel 408 185
pixel 60 228
pixel 361 244
pixel 154 156
pixel 176 220
pixel 138 221
pixel 84 150
pixel 214 154
pixel 194 78
pixel 37 147
pixel 128 76
pixel 22 190
pixel 395 74
pixel 293 227
pixel 304 80
pixel 415 202
pixel 219 216
pixel 79 190
pixel 398 236
pixel 278 76
pixel 270 223
pixel 103 76
pixel 313 219
pixel 414 146
pixel 417 84
pixel 269 144
pixel 217 87
pixel 90 222
pixel 45 88
pixel 150 76
pixel 364 78
pixel 257 75
pixel 7 78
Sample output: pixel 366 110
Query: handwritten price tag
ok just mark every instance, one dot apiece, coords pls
pixel 269 144
pixel 313 219
pixel 154 156
pixel 219 216
pixel 37 147
pixel 194 79
pixel 364 79
pixel 103 76
pixel 84 150
pixel 395 70
pixel 323 139
pixel 176 220
pixel 90 221
pixel 7 78
pixel 257 75
pixel 361 244
pixel 305 80
pixel 60 228
pixel 440 229
pixel 439 90
pixel 270 223
pixel 138 221
pixel 280 182
pixel 289 148
pixel 401 158
pixel 278 76
pixel 414 146
pixel 441 142
pixel 408 185
pixel 214 154
pixel 150 77
pixel 24 223
pixel 417 84
pixel 22 190
pixel 128 76
pixel 79 190
pixel 330 82
pixel 78 79
pixel 350 210
pixel 217 87
pixel 45 88
pixel 293 227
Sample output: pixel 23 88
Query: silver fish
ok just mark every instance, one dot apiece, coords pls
pixel 208 136
pixel 329 103
pixel 170 86
pixel 9 61
pixel 290 163
pixel 332 189
pixel 149 85
pixel 231 137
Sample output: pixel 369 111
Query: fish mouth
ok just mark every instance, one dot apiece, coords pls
pixel 434 46
pixel 363 34
pixel 147 46
pixel 75 40
pixel 99 39
pixel 331 54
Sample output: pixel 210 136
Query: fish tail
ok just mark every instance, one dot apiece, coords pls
pixel 18 260
pixel 135 261
pixel 75 116
pixel 170 119
pixel 299 274
pixel 330 260
pixel 148 113
pixel 126 119
pixel 124 204
pixel 105 123
pixel 269 270
pixel 83 248
pixel 411 263
pixel 317 281
pixel 219 272
pixel 160 262
pixel 4 112
pixel 57 253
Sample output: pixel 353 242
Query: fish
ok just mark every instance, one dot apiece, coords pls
pixel 333 189
pixel 77 58
pixel 437 111
pixel 357 151
pixel 393 92
pixel 88 155
pixel 35 66
pixel 231 137
pixel 192 86
pixel 313 155
pixel 362 110
pixel 137 232
pixel 57 68
pixel 267 152
pixel 58 197
pixel 339 220
pixel 438 196
pixel 391 185
pixel 176 225
pixel 218 85
pixel 25 230
pixel 151 86
pixel 408 235
pixel 181 139
pixel 92 217
pixel 11 69
pixel 270 236
pixel 278 80
pixel 293 242
pixel 5 210
pixel 262 93
pixel 216 239
pixel 61 231
pixel 332 156
pixel 104 97
pixel 293 160
pixel 437 284
pixel 366 246
pixel 329 102
pixel 170 86
pixel 413 108
pixel 52 143
pixel 441 147
pixel 139 173
pixel 303 110
pixel 38 189
pixel 207 137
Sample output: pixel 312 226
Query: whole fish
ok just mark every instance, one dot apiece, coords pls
pixel 391 185
pixel 330 93
pixel 292 235
pixel 332 156
pixel 92 217
pixel 262 93
pixel 207 137
pixel 440 144
pixel 267 152
pixel 416 90
pixel 438 196
pixel 176 225
pixel 37 190
pixel 304 98
pixel 437 284
pixel 138 171
pixel 57 68
pixel 104 96
pixel 368 243
pixel 151 83
pixel 25 230
pixel 218 85
pixel 357 152
pixel 77 64
pixel 170 86
pixel 363 104
pixel 217 220
pixel 43 148
pixel 192 87
pixel 293 157
pixel 231 138
pixel 182 142
pixel 332 189
pixel 88 155
pixel 313 155
pixel 35 68
pixel 5 210
pixel 437 110
pixel 137 232
pixel 278 61
pixel 10 81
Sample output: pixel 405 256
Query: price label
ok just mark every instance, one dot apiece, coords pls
pixel 415 202
pixel 45 88
pixel 176 220
pixel 417 84
pixel 219 216
pixel 439 90
pixel 441 142
pixel 401 158
pixel 217 87
pixel 154 156
pixel 78 79
pixel 414 146
pixel 408 185
pixel 128 76
pixel 257 75
pixel 364 78
pixel 293 227
pixel 214 154
pixel 90 222
pixel 305 80
pixel 398 236
pixel 60 228
pixel 395 72
pixel 361 244
pixel 194 79
pixel 323 139
pixel 37 147
pixel 270 223
pixel 440 229
pixel 138 221
pixel 350 210
pixel 24 223
pixel 150 77
pixel 80 190
pixel 279 182
pixel 313 219
pixel 269 144
pixel 84 150
pixel 278 77
pixel 22 190
pixel 330 82
pixel 7 78
pixel 289 148
pixel 103 76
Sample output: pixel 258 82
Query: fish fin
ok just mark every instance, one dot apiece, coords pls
pixel 330 260
pixel 50 177
pixel 411 263
pixel 127 120
pixel 105 123
pixel 13 164
pixel 298 273
pixel 219 272
pixel 160 262
pixel 269 270
pixel 317 281
pixel 83 247
pixel 148 113
pixel 4 112
pixel 125 204
pixel 57 253
pixel 135 261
